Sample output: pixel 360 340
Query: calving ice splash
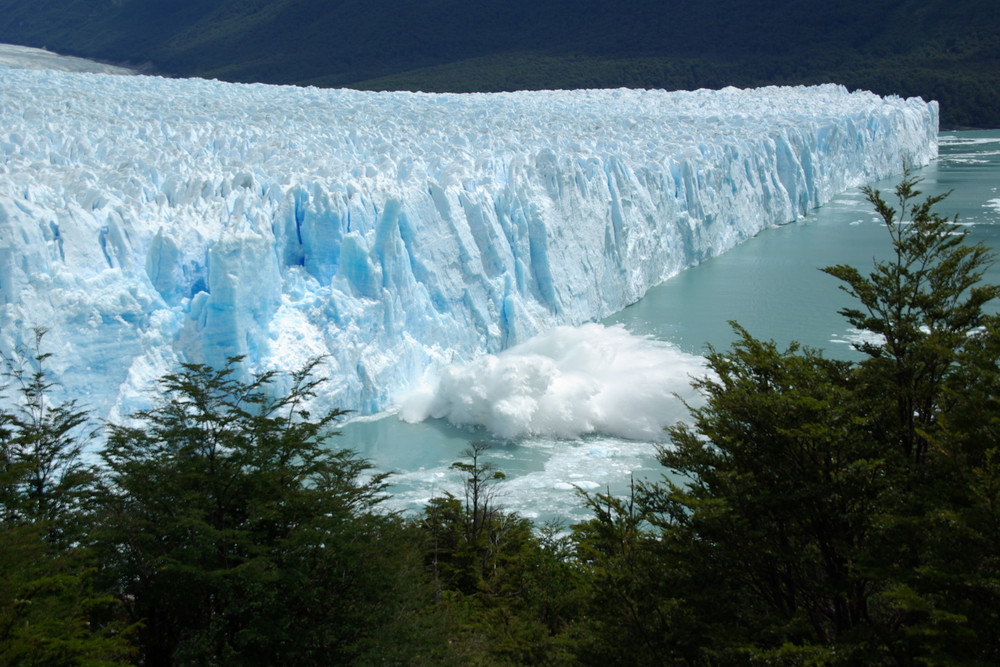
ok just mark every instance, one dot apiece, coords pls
pixel 404 237
pixel 564 383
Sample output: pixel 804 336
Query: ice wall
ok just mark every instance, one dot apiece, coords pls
pixel 146 221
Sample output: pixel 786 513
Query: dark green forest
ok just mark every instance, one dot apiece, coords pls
pixel 943 50
pixel 832 512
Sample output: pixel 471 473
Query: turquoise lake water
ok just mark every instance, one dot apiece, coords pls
pixel 771 285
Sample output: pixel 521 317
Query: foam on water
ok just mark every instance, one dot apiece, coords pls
pixel 543 475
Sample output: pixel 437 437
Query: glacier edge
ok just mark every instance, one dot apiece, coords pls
pixel 147 221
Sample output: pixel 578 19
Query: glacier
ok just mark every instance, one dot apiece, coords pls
pixel 148 221
pixel 26 57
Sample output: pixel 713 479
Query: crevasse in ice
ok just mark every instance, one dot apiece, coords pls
pixel 147 221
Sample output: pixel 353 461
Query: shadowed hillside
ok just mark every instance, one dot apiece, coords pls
pixel 949 51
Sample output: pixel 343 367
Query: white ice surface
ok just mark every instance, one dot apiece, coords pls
pixel 26 57
pixel 147 221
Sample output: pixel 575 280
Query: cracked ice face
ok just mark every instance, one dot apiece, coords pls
pixel 147 221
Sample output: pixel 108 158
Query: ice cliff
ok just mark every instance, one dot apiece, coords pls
pixel 147 221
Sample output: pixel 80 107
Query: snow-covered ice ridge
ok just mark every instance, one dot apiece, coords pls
pixel 148 221
pixel 26 57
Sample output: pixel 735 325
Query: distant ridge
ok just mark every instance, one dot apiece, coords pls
pixel 937 49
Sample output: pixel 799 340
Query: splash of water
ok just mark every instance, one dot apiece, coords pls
pixel 565 383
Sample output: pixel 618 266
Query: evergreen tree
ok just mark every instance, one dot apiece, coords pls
pixel 833 512
pixel 921 308
pixel 637 593
pixel 783 494
pixel 504 595
pixel 928 384
pixel 236 535
pixel 50 612
pixel 45 479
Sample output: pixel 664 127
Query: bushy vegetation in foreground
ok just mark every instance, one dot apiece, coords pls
pixel 834 513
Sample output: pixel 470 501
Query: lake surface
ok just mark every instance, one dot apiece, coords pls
pixel 771 285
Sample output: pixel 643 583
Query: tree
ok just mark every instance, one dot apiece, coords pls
pixel 504 595
pixel 833 512
pixel 784 492
pixel 922 306
pixel 44 476
pixel 50 611
pixel 235 535
pixel 467 535
pixel 929 380
pixel 482 520
pixel 637 595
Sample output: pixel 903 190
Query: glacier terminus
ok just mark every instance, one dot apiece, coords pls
pixel 147 221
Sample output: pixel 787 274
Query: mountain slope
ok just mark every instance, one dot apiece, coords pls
pixel 948 51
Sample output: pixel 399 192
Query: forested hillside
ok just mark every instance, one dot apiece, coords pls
pixel 949 51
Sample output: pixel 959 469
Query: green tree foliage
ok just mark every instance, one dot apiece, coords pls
pixel 44 476
pixel 833 512
pixel 50 612
pixel 235 535
pixel 467 534
pixel 503 594
pixel 930 380
pixel 922 307
pixel 638 592
pixel 784 491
